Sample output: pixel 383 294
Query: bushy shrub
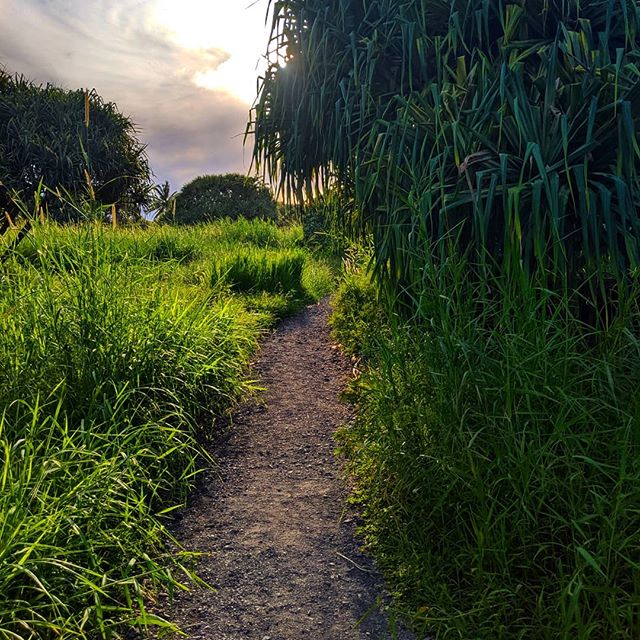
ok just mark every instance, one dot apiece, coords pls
pixel 232 195
pixel 72 141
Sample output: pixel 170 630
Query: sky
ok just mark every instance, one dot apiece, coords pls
pixel 185 71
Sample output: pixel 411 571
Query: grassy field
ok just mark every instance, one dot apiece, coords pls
pixel 119 352
pixel 496 454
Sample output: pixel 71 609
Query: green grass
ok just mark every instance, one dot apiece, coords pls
pixel 272 278
pixel 496 454
pixel 117 358
pixel 252 269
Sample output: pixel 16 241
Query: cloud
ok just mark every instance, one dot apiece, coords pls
pixel 120 48
pixel 192 138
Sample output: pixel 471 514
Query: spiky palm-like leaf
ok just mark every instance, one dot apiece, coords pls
pixel 509 127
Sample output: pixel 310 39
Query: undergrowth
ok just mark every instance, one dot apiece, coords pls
pixel 496 454
pixel 117 357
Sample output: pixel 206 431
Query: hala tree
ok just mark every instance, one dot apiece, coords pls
pixel 230 195
pixel 72 142
pixel 505 129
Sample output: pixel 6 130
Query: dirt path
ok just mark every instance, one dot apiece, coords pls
pixel 282 551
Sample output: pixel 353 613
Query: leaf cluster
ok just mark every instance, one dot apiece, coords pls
pixel 71 141
pixel 506 131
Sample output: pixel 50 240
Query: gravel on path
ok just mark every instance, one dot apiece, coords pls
pixel 273 522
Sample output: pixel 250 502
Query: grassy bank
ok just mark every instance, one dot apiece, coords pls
pixel 496 456
pixel 119 350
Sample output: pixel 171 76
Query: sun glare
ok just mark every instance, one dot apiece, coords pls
pixel 235 26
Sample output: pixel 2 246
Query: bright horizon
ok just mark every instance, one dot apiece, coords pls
pixel 185 71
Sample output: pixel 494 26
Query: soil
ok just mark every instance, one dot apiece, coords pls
pixel 278 536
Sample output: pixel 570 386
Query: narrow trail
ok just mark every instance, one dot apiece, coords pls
pixel 280 542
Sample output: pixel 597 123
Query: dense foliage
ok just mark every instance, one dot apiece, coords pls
pixel 230 195
pixel 507 129
pixel 491 152
pixel 71 141
pixel 496 456
pixel 118 354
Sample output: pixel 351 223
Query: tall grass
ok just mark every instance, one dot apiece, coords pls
pixel 497 458
pixel 117 358
pixel 82 543
pixel 158 243
pixel 251 270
